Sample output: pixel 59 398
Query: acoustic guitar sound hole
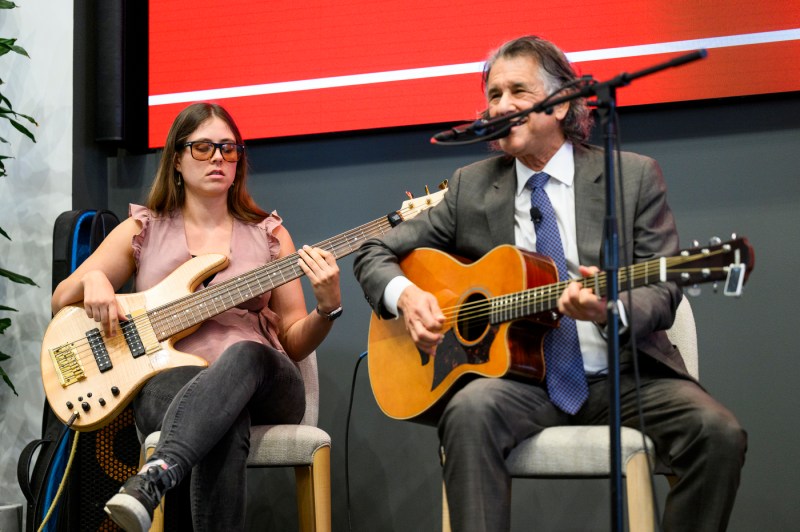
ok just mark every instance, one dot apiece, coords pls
pixel 473 318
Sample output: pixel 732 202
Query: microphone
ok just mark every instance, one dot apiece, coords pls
pixel 536 215
pixel 475 129
pixel 478 131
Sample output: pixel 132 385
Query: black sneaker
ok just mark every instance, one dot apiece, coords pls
pixel 132 508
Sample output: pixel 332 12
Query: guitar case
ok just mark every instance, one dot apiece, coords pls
pixel 105 458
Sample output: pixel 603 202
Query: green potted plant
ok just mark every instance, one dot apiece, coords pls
pixel 13 118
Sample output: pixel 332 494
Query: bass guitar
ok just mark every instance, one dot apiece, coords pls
pixel 89 378
pixel 498 310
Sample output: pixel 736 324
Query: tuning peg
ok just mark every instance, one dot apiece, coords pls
pixel 409 194
pixel 727 246
pixel 443 185
pixel 714 241
pixel 715 286
pixel 426 190
pixel 695 244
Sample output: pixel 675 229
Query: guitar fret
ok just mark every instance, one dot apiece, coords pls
pixel 502 308
pixel 188 315
pixel 248 294
pixel 528 302
pixel 496 310
pixel 260 288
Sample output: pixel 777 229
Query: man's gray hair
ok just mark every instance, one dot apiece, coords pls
pixel 555 71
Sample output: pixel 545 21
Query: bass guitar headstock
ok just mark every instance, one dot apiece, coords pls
pixel 413 206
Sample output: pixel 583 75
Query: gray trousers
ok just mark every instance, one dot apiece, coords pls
pixel 694 435
pixel 205 414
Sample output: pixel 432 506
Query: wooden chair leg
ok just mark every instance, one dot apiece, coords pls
pixel 158 515
pixel 314 493
pixel 640 494
pixel 445 510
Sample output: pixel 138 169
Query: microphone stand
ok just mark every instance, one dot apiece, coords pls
pixel 606 104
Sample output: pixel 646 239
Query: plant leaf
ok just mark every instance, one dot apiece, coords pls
pixel 4 233
pixel 4 112
pixel 17 278
pixel 22 129
pixel 8 381
pixel 5 323
pixel 4 356
pixel 7 45
pixel 3 307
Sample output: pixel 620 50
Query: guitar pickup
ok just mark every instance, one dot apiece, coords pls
pixel 735 280
pixel 99 350
pixel 131 335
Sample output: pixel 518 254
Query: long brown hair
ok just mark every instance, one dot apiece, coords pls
pixel 166 195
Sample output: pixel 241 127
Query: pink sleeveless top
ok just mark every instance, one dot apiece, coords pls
pixel 161 247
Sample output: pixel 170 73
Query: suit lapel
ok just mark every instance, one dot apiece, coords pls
pixel 589 203
pixel 499 200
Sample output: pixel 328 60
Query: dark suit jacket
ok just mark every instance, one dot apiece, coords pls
pixel 477 214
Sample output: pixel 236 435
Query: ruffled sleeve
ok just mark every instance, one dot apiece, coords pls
pixel 269 320
pixel 269 224
pixel 143 215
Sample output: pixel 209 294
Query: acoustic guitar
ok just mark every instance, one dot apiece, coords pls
pixel 89 378
pixel 498 310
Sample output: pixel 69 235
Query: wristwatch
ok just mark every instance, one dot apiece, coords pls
pixel 332 315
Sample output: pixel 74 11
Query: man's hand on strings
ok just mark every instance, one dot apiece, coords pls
pixel 581 303
pixel 423 318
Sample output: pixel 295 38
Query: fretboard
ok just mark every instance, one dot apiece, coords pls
pixel 545 298
pixel 197 307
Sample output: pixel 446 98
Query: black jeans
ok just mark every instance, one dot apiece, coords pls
pixel 205 415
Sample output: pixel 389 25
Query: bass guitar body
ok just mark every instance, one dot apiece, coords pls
pixel 95 376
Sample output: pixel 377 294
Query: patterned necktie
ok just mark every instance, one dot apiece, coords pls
pixel 566 381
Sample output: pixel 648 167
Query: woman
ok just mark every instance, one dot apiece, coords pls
pixel 199 204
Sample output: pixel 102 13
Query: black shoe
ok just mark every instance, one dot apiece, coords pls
pixel 132 508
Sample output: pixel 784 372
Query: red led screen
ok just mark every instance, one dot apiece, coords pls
pixel 295 68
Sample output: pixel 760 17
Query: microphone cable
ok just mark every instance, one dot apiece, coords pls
pixel 347 439
pixel 630 315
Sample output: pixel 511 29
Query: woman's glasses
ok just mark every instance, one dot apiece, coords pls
pixel 203 150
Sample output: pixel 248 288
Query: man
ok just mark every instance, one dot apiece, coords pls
pixel 492 202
